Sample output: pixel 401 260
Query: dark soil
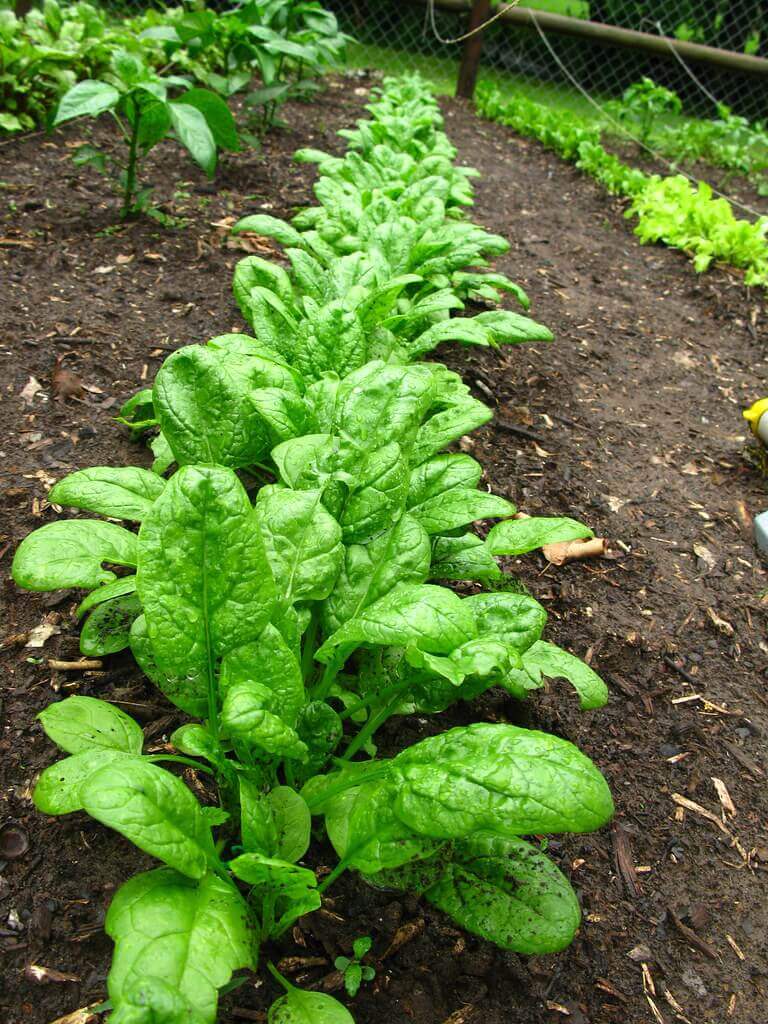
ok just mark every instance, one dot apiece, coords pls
pixel 630 420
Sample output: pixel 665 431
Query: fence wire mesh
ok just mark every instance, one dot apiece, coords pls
pixel 400 35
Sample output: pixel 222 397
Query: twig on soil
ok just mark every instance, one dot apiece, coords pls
pixel 405 933
pixel 744 759
pixel 680 670
pixel 690 805
pixel 74 666
pixel 512 428
pixel 691 937
pixel 625 865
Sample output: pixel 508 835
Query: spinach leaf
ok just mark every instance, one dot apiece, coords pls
pixel 499 779
pixel 153 809
pixel 550 660
pixel 124 492
pixel 213 592
pixel 518 536
pixel 78 724
pixel 177 942
pixel 71 553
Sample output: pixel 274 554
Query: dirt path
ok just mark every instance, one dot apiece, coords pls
pixel 643 388
pixel 637 408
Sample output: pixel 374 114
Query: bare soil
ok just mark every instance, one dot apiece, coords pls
pixel 630 420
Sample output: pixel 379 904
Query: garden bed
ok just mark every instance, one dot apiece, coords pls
pixel 643 389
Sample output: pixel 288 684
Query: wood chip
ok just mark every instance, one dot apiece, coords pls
pixel 735 947
pixel 724 797
pixel 405 933
pixel 691 937
pixel 625 863
pixel 85 1015
pixel 75 666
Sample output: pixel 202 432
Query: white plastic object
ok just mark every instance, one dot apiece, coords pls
pixel 762 429
pixel 761 528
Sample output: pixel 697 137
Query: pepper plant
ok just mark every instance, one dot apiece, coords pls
pixel 283 592
pixel 138 100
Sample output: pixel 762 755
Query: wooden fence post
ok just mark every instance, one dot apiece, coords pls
pixel 470 57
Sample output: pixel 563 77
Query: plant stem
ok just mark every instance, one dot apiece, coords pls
pixel 130 171
pixel 278 976
pixel 328 881
pixel 332 669
pixel 178 759
pixel 374 722
pixel 375 698
pixel 308 651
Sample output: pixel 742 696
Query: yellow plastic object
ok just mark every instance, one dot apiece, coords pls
pixel 754 413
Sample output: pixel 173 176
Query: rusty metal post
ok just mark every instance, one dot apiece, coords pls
pixel 470 57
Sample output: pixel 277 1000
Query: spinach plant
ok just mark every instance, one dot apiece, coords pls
pixel 139 102
pixel 642 105
pixel 283 592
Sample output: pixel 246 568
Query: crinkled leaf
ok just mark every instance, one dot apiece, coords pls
pixel 462 558
pixel 246 717
pixel 71 553
pixel 187 936
pixel 154 810
pixel 270 662
pixel 117 588
pixel 203 577
pixel 431 618
pixel 377 498
pixel 301 1007
pixel 57 791
pixel 303 543
pixel 124 492
pixel 440 474
pixel 517 619
pixel 458 507
pixel 499 779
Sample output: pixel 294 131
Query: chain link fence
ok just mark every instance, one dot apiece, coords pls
pixel 400 35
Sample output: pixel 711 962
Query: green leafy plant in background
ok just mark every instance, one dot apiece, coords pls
pixel 352 969
pixel 672 210
pixel 643 104
pixel 137 98
pixel 282 591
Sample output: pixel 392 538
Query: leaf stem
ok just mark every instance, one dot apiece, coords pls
pixel 178 759
pixel 130 171
pixel 374 698
pixel 278 976
pixel 308 650
pixel 328 881
pixel 374 722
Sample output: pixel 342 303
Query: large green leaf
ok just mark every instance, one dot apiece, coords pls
pixel 194 134
pixel 518 536
pixel 440 474
pixel 121 492
pixel 247 718
pixel 86 98
pixel 462 558
pixel 218 116
pixel 202 400
pixel 270 662
pixel 153 809
pixel 457 507
pixel 499 779
pixel 517 619
pixel 502 889
pixel 203 576
pixel 176 940
pixel 400 555
pixel 303 543
pixel 71 553
pixel 77 724
pixel 377 497
pixel 431 618
pixel 57 791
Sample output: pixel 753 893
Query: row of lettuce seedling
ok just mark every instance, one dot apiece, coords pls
pixel 668 209
pixel 281 592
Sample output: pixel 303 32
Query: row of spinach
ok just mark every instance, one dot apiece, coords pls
pixel 282 591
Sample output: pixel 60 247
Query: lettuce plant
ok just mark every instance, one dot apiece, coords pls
pixel 282 591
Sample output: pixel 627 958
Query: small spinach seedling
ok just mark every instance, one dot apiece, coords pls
pixel 354 971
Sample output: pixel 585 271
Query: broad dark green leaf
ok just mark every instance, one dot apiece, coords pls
pixel 320 728
pixel 71 553
pixel 377 497
pixel 203 577
pixel 381 403
pixel 303 543
pixel 448 425
pixel 175 935
pixel 518 536
pixel 440 474
pixel 124 492
pixel 269 227
pixel 154 810
pixel 499 779
pixel 77 724
pixel 431 618
pixel 202 400
pixel 117 588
